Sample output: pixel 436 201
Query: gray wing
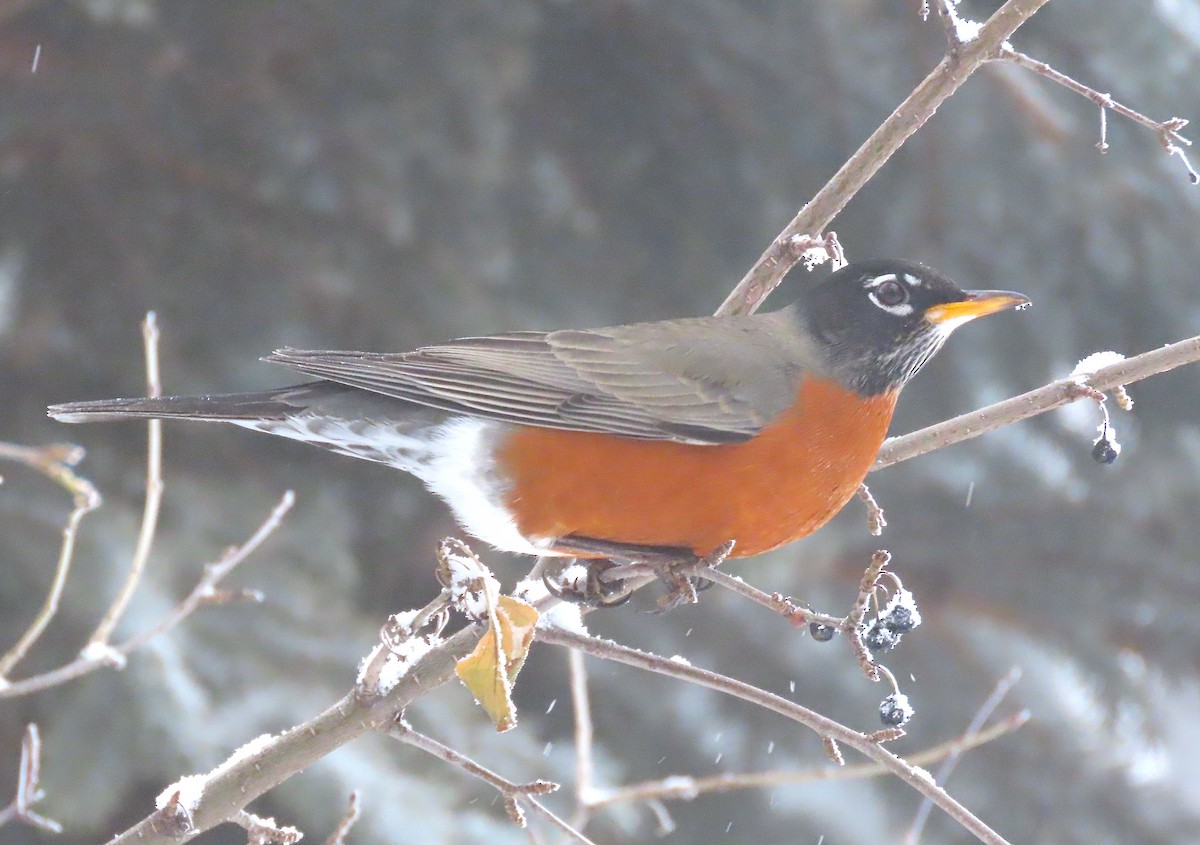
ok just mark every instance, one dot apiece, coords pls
pixel 707 381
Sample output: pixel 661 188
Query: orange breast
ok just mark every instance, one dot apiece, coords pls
pixel 779 486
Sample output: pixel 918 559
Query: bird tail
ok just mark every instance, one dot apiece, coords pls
pixel 230 407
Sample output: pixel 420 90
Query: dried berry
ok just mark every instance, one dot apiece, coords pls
pixel 879 638
pixel 895 711
pixel 821 632
pixel 1106 448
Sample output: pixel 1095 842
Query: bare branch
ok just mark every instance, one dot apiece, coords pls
pixel 909 116
pixel 1039 401
pixel 234 785
pixel 783 605
pixel 919 779
pixel 514 793
pixel 338 837
pixel 154 491
pixel 985 711
pixel 399 630
pixel 854 620
pixel 29 790
pixel 1167 131
pixel 685 788
pixel 832 751
pixel 947 16
pixel 55 463
pixel 265 831
pixel 205 592
pixel 875 518
pixel 581 707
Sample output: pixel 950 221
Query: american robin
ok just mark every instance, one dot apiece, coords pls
pixel 676 435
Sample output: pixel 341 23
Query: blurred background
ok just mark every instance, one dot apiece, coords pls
pixel 377 174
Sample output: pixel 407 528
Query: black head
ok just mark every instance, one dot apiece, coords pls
pixel 877 322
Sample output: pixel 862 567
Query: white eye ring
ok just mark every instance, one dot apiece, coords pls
pixel 889 285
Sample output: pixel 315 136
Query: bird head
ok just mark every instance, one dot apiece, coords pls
pixel 878 322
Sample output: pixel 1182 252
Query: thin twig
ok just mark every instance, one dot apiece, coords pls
pixel 581 708
pixel 29 790
pixel 686 788
pixel 832 751
pixel 823 725
pixel 876 521
pixel 783 605
pixel 514 794
pixel 858 611
pixel 400 628
pixel 237 782
pixel 154 492
pixel 985 711
pixel 205 592
pixel 1167 131
pixel 55 463
pixel 265 831
pixel 947 16
pixel 338 837
pixel 1039 401
pixel 909 116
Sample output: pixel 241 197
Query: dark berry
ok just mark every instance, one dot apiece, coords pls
pixel 821 632
pixel 895 711
pixel 879 638
pixel 901 619
pixel 1105 451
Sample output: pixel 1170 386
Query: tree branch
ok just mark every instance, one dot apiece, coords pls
pixel 581 708
pixel 29 790
pixel 1167 131
pixel 99 641
pixel 998 694
pixel 338 836
pixel 513 793
pixel 55 463
pixel 917 778
pixel 233 785
pixel 909 116
pixel 205 592
pixel 1039 401
pixel 686 788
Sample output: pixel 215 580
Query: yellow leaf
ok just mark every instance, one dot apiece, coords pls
pixel 517 621
pixel 489 671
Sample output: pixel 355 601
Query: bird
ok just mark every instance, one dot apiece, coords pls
pixel 680 436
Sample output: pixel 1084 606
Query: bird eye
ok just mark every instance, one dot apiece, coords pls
pixel 890 294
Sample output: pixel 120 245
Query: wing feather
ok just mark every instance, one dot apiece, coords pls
pixel 667 381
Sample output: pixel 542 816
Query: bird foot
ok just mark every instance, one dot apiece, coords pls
pixel 581 582
pixel 607 579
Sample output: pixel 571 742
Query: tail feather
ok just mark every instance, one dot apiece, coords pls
pixel 271 404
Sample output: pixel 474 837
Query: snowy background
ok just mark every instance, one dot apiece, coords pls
pixel 378 174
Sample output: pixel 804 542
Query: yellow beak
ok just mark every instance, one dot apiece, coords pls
pixel 979 303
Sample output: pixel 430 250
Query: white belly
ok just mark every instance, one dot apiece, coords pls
pixel 452 458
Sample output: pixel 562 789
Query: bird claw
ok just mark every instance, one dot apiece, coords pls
pixel 685 587
pixel 605 585
pixel 592 590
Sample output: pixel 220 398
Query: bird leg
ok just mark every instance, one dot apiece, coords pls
pixel 579 582
pixel 613 565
